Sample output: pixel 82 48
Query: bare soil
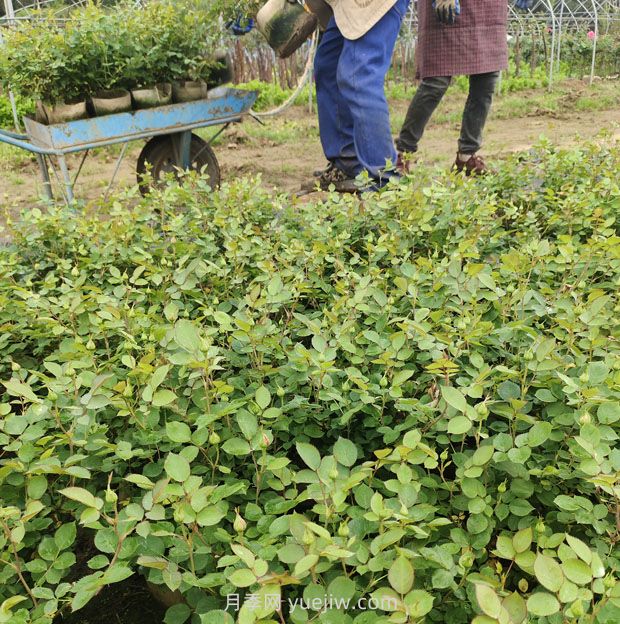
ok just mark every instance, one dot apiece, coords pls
pixel 287 149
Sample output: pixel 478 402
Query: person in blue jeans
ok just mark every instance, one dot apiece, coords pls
pixel 351 63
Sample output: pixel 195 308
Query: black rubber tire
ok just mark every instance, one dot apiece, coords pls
pixel 158 157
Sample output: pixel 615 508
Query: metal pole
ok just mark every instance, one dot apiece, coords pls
pixel 552 52
pixel 559 41
pixel 45 175
pixel 183 142
pixel 10 14
pixel 118 166
pixel 67 179
pixel 594 42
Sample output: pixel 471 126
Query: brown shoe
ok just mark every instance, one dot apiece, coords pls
pixel 332 175
pixel 404 162
pixel 472 167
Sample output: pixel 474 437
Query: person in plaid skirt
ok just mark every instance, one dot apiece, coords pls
pixel 467 38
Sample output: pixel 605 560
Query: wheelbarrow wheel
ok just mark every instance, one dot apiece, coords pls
pixel 158 158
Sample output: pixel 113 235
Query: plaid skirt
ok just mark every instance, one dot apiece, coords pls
pixel 475 44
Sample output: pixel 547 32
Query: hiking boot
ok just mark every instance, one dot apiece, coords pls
pixel 332 175
pixel 319 172
pixel 474 166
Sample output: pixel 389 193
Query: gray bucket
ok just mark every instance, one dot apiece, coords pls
pixel 286 25
pixel 150 97
pixel 189 90
pixel 111 101
pixel 60 113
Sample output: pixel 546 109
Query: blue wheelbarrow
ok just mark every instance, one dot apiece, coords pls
pixel 171 144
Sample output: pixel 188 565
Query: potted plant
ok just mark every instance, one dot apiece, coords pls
pixel 100 36
pixel 102 54
pixel 36 62
pixel 176 46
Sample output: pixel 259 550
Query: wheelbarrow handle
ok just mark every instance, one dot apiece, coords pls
pixel 23 141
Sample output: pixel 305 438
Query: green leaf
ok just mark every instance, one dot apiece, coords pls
pixel 548 572
pixel 98 562
pixel 242 578
pixel 608 413
pixel 483 455
pixel 418 603
pixel 216 617
pixel 158 563
pixel 117 573
pixel 341 588
pixel 37 485
pixel 163 397
pixel 263 397
pixel 516 608
pixel 140 480
pixel 178 432
pixel 247 423
pixel 459 425
pixel 488 600
pixel 7 605
pixel 577 571
pixel 401 376
pixel 65 535
pixel 89 515
pixel 400 575
pixel 569 592
pixel 17 388
pixel 345 452
pixel 245 554
pixel 177 614
pixel 539 433
pixel 291 553
pixel 304 564
pixel 177 467
pixel 580 549
pixel 454 397
pixel 187 335
pixel 210 516
pixel 542 604
pixel 522 540
pixel 236 446
pixel 505 547
pixel 309 454
pixel 82 496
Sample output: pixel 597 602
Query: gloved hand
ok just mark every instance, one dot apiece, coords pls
pixel 447 10
pixel 524 5
pixel 240 26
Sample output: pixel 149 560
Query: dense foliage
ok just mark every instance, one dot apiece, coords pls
pixel 413 397
pixel 24 106
pixel 126 46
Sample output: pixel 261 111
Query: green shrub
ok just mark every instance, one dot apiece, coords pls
pixel 24 106
pixel 412 397
pixel 126 46
pixel 271 95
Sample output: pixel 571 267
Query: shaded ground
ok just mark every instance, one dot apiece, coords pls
pixel 286 149
pixel 128 602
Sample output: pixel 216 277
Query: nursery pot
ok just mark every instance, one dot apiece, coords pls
pixel 286 25
pixel 111 101
pixel 150 97
pixel 60 113
pixel 189 90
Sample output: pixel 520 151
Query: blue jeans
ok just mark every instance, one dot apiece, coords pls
pixel 354 119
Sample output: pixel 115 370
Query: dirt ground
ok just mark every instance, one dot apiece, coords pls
pixel 286 149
